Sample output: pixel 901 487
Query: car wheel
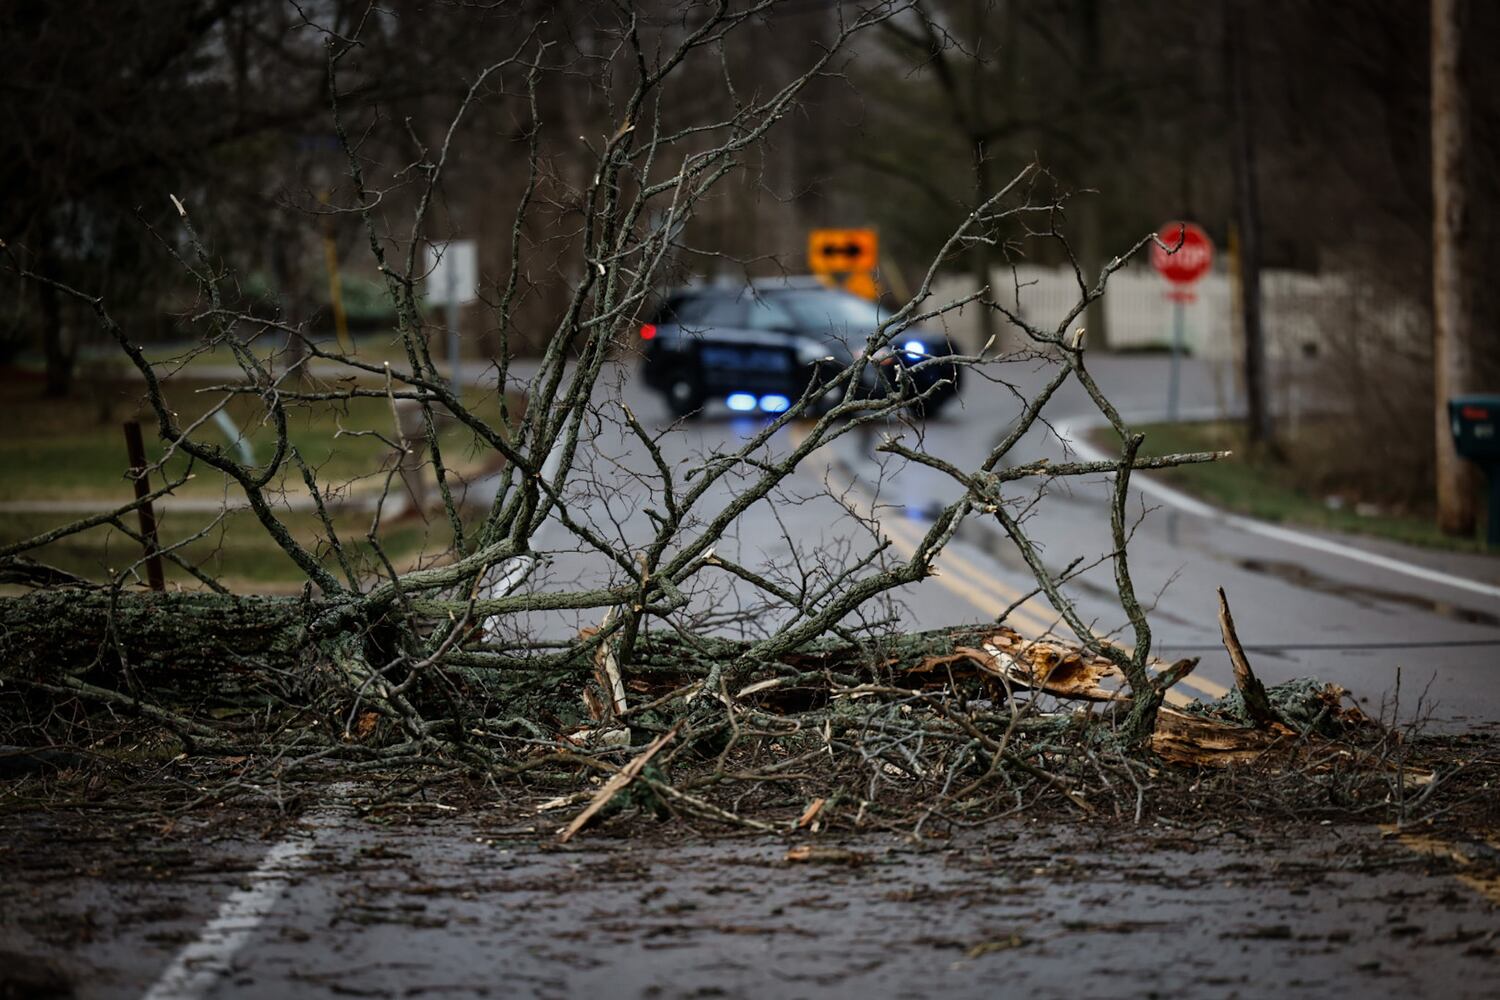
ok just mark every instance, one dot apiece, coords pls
pixel 685 397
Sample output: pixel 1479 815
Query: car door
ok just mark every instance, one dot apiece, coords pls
pixel 735 351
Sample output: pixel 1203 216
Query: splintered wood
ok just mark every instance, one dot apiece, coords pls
pixel 1185 738
pixel 1072 673
pixel 1006 663
pixel 616 784
pixel 1049 667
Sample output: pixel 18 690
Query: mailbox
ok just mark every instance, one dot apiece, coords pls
pixel 1475 421
pixel 1476 427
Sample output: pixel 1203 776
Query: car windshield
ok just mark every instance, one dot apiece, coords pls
pixel 700 311
pixel 842 316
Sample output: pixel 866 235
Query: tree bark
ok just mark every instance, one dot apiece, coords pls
pixel 1090 220
pixel 1452 292
pixel 49 633
pixel 175 640
pixel 139 646
pixel 1247 210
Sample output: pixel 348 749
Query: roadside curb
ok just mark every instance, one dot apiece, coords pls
pixel 1073 431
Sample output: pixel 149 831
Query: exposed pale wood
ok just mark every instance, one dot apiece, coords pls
pixel 1184 738
pixel 811 812
pixel 616 783
pixel 1257 704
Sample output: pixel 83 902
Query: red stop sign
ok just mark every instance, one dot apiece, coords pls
pixel 1191 260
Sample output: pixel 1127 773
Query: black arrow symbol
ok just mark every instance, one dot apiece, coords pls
pixel 850 249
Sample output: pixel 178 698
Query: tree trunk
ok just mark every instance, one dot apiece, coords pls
pixel 977 100
pixel 48 633
pixel 289 300
pixel 1090 219
pixel 1452 293
pixel 177 647
pixel 1258 411
pixel 989 330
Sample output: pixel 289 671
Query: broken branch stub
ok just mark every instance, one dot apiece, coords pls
pixel 616 784
pixel 1257 704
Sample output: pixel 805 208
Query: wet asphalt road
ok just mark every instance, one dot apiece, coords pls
pixel 1301 610
pixel 344 907
pixel 1421 629
pixel 462 907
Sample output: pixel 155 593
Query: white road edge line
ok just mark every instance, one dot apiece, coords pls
pixel 1073 430
pixel 203 964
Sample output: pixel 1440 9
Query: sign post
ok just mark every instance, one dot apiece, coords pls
pixel 453 280
pixel 1188 255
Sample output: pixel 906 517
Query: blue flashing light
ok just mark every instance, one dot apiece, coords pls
pixel 914 349
pixel 741 402
pixel 775 404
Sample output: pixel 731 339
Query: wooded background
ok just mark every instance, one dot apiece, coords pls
pixel 109 106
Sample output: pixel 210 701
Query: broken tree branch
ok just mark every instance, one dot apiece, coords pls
pixel 1257 704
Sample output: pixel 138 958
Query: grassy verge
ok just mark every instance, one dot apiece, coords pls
pixel 73 449
pixel 183 359
pixel 233 549
pixel 1270 489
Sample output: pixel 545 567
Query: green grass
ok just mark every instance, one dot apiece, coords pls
pixel 74 448
pixel 183 359
pixel 236 549
pixel 1266 488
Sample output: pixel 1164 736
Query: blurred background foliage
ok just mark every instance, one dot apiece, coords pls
pixel 107 106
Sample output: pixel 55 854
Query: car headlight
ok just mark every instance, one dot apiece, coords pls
pixel 914 350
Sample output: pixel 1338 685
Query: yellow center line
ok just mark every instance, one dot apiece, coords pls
pixel 1486 885
pixel 991 597
pixel 959 576
pixel 978 579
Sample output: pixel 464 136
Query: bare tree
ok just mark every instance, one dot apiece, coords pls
pixel 469 656
pixel 1247 219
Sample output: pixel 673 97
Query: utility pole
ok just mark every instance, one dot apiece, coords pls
pixel 1261 431
pixel 1452 291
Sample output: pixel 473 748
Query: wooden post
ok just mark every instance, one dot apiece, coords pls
pixel 135 448
pixel 1247 217
pixel 1452 290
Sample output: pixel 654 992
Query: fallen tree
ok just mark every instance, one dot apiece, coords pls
pixel 734 673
